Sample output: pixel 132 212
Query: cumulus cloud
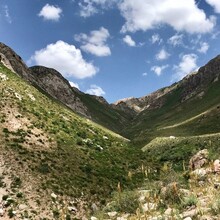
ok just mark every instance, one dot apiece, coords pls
pixel 158 70
pixel 75 85
pixel 95 42
pixel 186 66
pixel 162 55
pixel 50 12
pixel 181 15
pixel 204 47
pixel 176 40
pixel 91 7
pixel 155 38
pixel 129 41
pixel 144 74
pixel 95 90
pixel 215 4
pixel 65 58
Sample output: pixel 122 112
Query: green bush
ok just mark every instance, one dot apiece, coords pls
pixel 126 201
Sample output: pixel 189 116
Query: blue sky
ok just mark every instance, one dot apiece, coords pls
pixel 114 48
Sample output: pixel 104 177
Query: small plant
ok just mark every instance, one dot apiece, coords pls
pixel 215 206
pixel 56 213
pixel 190 201
pixel 16 183
pixel 19 195
pixel 11 213
pixel 4 197
pixel 2 184
pixel 126 201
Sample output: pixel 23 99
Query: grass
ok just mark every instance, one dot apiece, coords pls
pixel 149 124
pixel 73 155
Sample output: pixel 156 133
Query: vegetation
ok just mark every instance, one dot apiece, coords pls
pixel 74 157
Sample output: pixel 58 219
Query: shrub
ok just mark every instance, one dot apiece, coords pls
pixel 126 201
pixel 190 201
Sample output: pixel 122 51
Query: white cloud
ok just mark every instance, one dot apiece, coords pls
pixel 185 67
pixel 50 12
pixel 76 85
pixel 162 55
pixel 144 74
pixel 181 15
pixel 215 4
pixel 159 69
pixel 156 38
pixel 204 47
pixel 7 15
pixel 129 41
pixel 95 43
pixel 176 40
pixel 91 7
pixel 95 90
pixel 65 58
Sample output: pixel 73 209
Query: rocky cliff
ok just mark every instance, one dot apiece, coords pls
pixel 53 83
pixel 56 86
pixel 192 85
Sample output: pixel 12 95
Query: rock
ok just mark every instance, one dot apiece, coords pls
pixel 112 214
pixel 169 211
pixel 2 212
pixel 53 83
pixel 3 77
pixel 123 217
pixel 105 137
pixel 22 206
pixel 72 208
pixel 149 206
pixel 94 207
pixel 190 213
pixel 187 218
pixel 206 217
pixel 53 195
pixel 31 97
pixel 93 218
pixel 18 96
pixel 216 165
pixel 199 160
pixel 199 173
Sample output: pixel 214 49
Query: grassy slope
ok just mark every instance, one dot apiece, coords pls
pixel 103 114
pixel 150 124
pixel 69 154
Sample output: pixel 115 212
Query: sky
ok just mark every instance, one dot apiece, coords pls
pixel 114 48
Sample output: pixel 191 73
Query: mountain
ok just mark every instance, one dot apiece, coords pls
pixel 53 161
pixel 189 107
pixel 57 163
pixel 53 84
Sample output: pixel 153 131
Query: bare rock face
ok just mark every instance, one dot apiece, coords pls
pixel 52 82
pixel 14 62
pixel 100 99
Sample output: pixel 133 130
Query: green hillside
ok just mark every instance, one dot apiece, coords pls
pixel 197 115
pixel 62 152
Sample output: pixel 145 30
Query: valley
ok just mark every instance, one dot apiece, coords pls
pixel 69 155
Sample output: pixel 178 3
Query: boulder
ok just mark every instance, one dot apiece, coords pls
pixel 216 166
pixel 199 160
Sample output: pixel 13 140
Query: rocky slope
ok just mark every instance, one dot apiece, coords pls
pixel 132 117
pixel 54 164
pixel 52 83
pixel 191 85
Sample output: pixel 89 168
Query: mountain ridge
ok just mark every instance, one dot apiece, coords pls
pixel 131 117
